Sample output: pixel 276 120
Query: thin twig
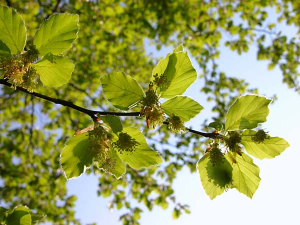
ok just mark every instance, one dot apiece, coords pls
pixel 93 114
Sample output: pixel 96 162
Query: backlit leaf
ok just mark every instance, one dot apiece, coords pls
pixel 56 34
pixel 121 90
pixel 12 29
pixel 75 156
pixel 215 178
pixel 269 148
pixel 247 112
pixel 113 122
pixel 143 156
pixel 180 74
pixel 184 107
pixel 245 174
pixel 54 70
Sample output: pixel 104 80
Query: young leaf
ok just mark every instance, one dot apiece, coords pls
pixel 215 178
pixel 184 107
pixel 217 125
pixel 56 34
pixel 247 112
pixel 269 148
pixel 113 122
pixel 161 66
pixel 178 48
pixel 245 174
pixel 37 218
pixel 75 156
pixel 143 156
pixel 20 215
pixel 12 29
pixel 121 90
pixel 180 73
pixel 54 70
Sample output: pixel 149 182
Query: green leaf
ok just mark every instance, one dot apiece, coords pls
pixel 2 212
pixel 4 50
pixel 269 148
pixel 184 107
pixel 12 29
pixel 20 215
pixel 215 178
pixel 247 112
pixel 245 174
pixel 216 125
pixel 161 66
pixel 180 74
pixel 178 49
pixel 75 156
pixel 121 90
pixel 56 34
pixel 176 213
pixel 113 122
pixel 120 168
pixel 143 156
pixel 37 218
pixel 54 70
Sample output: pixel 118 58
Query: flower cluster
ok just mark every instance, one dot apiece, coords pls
pixel 17 68
pixel 260 136
pixel 99 147
pixel 125 143
pixel 216 157
pixel 151 109
pixel 175 124
pixel 232 141
pixel 161 81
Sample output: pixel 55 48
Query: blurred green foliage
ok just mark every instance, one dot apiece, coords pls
pixel 112 37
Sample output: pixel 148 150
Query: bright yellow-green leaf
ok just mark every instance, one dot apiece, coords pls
pixel 113 122
pixel 269 148
pixel 161 66
pixel 12 30
pixel 245 174
pixel 180 74
pixel 121 90
pixel 75 156
pixel 54 70
pixel 56 34
pixel 247 112
pixel 184 107
pixel 178 48
pixel 143 156
pixel 215 178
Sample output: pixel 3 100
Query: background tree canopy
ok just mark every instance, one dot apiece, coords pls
pixel 113 37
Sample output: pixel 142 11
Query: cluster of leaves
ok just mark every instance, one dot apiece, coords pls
pixel 218 170
pixel 21 215
pixel 225 165
pixel 128 145
pixel 107 31
pixel 42 58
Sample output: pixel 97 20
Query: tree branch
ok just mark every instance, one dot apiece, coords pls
pixel 92 113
